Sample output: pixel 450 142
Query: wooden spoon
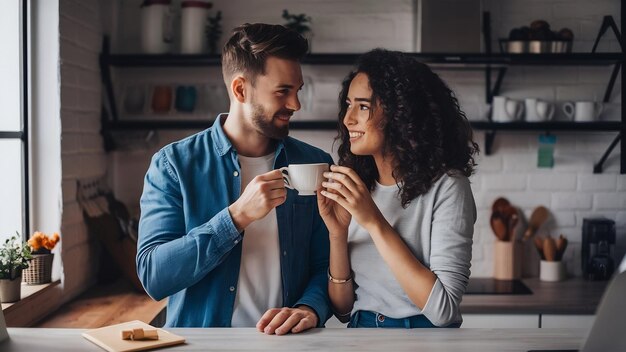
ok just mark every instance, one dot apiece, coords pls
pixel 498 226
pixel 539 246
pixel 549 249
pixel 513 219
pixel 500 204
pixel 537 218
pixel 561 244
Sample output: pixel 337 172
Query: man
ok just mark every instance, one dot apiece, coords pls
pixel 219 232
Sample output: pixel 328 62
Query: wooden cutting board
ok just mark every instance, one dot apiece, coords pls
pixel 110 337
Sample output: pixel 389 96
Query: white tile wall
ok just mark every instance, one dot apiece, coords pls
pixel 569 189
pixel 81 143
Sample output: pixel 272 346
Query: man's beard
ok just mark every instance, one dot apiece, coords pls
pixel 265 124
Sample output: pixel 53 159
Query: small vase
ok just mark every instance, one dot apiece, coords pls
pixel 10 290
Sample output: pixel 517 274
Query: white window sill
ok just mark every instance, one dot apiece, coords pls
pixel 36 302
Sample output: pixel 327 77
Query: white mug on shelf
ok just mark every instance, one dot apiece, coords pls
pixel 544 110
pixel 538 110
pixel 583 111
pixel 506 110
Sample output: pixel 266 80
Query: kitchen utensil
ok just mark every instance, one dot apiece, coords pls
pixel 506 109
pixel 513 219
pixel 134 99
pixel 498 226
pixel 539 246
pixel 499 204
pixel 561 244
pixel 551 271
pixel 537 218
pixel 156 26
pixel 545 110
pixel 549 249
pixel 507 260
pixel 162 99
pixel 599 236
pixel 186 97
pixel 192 26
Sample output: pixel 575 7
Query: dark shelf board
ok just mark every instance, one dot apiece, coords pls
pixel 548 126
pixel 332 125
pixel 176 60
pixel 202 124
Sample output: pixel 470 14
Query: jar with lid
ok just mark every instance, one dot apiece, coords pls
pixel 156 26
pixel 193 22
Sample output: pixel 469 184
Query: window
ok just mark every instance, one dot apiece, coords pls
pixel 14 176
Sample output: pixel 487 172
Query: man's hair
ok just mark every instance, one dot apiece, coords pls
pixel 251 44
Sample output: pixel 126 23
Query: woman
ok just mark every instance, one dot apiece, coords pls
pixel 399 209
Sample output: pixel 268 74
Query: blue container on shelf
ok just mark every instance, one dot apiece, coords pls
pixel 186 97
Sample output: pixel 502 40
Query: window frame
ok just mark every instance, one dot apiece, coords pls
pixel 24 133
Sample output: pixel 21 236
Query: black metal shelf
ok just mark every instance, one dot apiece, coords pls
pixel 465 59
pixel 122 125
pixel 597 126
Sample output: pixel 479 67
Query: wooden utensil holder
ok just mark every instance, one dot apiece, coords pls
pixel 507 260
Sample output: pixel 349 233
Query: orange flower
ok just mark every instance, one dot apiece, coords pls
pixel 40 240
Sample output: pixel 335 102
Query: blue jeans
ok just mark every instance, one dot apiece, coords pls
pixel 367 319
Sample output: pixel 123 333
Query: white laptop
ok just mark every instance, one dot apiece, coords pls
pixel 607 333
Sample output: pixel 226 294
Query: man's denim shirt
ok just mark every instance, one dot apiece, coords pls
pixel 189 248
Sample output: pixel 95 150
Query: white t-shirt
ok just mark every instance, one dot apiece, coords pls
pixel 260 286
pixel 437 227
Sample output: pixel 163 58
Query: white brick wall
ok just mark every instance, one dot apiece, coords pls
pixel 569 189
pixel 81 143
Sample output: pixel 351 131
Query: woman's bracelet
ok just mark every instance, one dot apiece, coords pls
pixel 338 281
pixel 339 315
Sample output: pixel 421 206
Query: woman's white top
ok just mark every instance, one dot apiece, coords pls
pixel 437 227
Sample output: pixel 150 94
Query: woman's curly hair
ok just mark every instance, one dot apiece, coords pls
pixel 425 132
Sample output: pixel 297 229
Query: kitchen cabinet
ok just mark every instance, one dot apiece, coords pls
pixel 567 321
pixel 512 321
pixel 498 321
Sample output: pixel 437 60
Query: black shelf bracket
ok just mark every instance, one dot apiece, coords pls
pixel 608 22
pixel 105 75
pixel 597 168
pixel 609 87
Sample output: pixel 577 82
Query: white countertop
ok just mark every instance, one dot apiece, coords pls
pixel 386 340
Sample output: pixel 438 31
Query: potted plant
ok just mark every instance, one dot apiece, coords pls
pixel 299 23
pixel 40 269
pixel 14 257
pixel 213 31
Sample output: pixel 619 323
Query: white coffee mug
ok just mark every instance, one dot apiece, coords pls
pixel 530 105
pixel 506 110
pixel 304 178
pixel 544 110
pixel 583 111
